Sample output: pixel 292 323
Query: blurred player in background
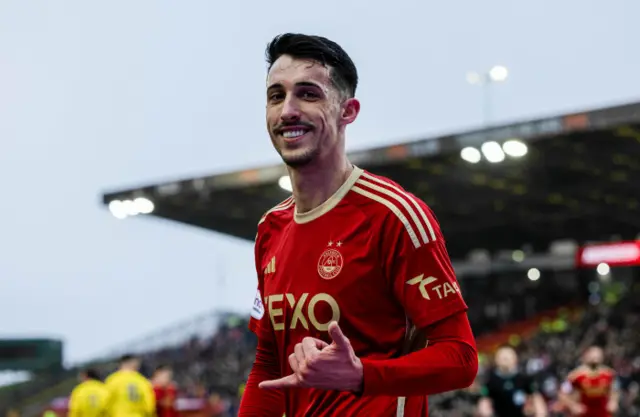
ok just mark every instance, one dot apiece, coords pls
pixel 353 269
pixel 590 389
pixel 165 392
pixel 89 398
pixel 508 392
pixel 130 393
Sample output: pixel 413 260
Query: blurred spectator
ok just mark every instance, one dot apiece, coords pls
pixel 507 391
pixel 166 392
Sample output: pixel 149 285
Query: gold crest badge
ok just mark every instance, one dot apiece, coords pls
pixel 330 263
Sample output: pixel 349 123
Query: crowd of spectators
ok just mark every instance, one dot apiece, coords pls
pixel 555 350
pixel 212 369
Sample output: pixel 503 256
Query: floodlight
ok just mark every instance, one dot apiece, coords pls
pixel 285 183
pixel 492 152
pixel 471 155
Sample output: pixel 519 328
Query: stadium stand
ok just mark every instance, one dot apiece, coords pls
pixel 552 352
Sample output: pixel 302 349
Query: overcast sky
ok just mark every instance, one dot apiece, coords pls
pixel 102 95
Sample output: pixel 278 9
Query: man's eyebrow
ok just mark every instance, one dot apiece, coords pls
pixel 307 84
pixel 300 84
pixel 274 86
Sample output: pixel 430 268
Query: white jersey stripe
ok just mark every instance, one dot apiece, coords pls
pixel 400 200
pixel 394 209
pixel 400 409
pixel 412 199
pixel 282 206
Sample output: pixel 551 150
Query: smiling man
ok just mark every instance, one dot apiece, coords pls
pixel 353 273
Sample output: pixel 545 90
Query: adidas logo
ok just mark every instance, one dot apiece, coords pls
pixel 271 267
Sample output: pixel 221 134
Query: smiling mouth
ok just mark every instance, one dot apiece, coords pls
pixel 294 135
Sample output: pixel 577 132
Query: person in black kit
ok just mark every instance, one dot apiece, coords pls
pixel 509 393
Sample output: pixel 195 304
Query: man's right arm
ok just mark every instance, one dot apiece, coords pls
pixel 148 398
pixel 538 404
pixel 257 402
pixel 74 403
pixel 485 404
pixel 569 396
pixel 109 396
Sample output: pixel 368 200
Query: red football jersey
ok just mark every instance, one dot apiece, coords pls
pixel 372 257
pixel 166 400
pixel 594 387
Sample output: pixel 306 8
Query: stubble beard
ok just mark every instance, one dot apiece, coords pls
pixel 299 158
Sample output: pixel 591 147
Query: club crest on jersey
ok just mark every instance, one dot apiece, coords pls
pixel 330 262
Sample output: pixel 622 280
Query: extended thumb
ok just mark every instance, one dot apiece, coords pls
pixel 337 336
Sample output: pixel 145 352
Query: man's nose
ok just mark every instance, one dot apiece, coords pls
pixel 290 110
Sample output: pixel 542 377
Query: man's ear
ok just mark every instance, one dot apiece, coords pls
pixel 350 111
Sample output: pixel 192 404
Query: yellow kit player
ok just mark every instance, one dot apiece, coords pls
pixel 130 393
pixel 89 398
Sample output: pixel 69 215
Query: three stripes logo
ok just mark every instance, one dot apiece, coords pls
pixel 271 267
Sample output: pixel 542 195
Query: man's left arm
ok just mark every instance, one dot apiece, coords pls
pixel 148 398
pixel 109 396
pixel 538 404
pixel 614 396
pixel 75 403
pixel 424 282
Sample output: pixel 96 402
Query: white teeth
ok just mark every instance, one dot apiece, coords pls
pixel 293 133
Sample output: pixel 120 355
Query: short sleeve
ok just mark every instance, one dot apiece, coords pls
pixel 420 270
pixel 258 322
pixel 573 380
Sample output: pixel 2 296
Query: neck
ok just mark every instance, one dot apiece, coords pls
pixel 313 184
pixel 507 372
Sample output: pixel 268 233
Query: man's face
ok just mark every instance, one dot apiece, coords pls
pixel 594 356
pixel 132 364
pixel 305 111
pixel 163 377
pixel 506 360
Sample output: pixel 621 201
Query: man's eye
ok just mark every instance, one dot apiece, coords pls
pixel 309 95
pixel 276 96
